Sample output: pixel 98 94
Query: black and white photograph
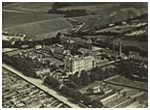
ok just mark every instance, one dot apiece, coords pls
pixel 74 54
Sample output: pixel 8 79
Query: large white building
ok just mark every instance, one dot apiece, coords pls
pixel 77 64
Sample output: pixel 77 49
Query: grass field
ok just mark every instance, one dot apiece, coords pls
pixel 125 81
pixel 30 6
pixel 42 27
pixel 12 19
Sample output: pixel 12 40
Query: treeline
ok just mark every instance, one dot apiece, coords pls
pixel 26 66
pixel 57 5
pixel 128 69
pixel 69 13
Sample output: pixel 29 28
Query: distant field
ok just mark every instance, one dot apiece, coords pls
pixel 125 81
pixel 11 19
pixel 42 27
pixel 30 6
pixel 93 8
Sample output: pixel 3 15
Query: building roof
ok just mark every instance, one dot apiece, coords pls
pixel 58 51
pixel 84 50
pixel 43 71
pixel 76 58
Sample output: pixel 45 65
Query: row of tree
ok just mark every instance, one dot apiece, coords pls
pixel 26 66
pixel 57 5
pixel 69 13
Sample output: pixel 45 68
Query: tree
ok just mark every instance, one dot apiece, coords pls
pixel 76 80
pixel 86 100
pixel 101 74
pixel 107 73
pixel 85 78
pixel 71 84
pixel 97 104
pixel 51 81
pixel 94 76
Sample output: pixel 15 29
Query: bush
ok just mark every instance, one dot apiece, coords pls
pixel 24 65
pixel 85 78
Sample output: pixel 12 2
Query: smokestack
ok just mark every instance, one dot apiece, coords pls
pixel 113 48
pixel 120 49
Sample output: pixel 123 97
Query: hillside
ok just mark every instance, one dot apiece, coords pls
pixel 111 17
pixel 30 6
pixel 42 27
pixel 11 19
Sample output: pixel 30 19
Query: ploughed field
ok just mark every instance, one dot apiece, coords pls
pixel 17 93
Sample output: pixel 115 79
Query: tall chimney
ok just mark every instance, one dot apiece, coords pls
pixel 120 48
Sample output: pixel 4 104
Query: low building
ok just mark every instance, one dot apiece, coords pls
pixel 43 72
pixel 59 53
pixel 132 53
pixel 38 46
pixel 96 89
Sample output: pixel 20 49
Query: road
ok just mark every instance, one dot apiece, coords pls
pixel 38 83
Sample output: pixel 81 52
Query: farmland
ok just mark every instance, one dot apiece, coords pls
pixel 32 6
pixel 40 27
pixel 12 19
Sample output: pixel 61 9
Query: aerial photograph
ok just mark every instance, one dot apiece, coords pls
pixel 74 54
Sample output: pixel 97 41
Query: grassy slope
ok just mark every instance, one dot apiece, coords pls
pixel 10 19
pixel 42 27
pixel 30 6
